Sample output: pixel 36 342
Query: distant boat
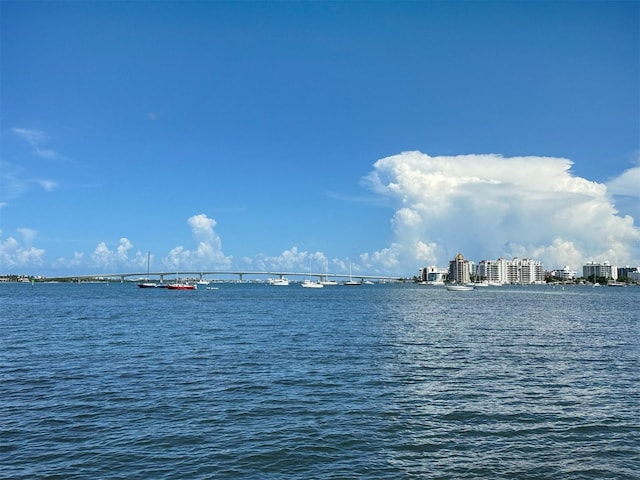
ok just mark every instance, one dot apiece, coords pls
pixel 278 282
pixel 460 288
pixel 182 286
pixel 177 285
pixel 483 283
pixel 311 284
pixel 351 282
pixel 147 283
pixel 324 280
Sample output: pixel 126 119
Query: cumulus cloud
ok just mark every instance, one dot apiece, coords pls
pixel 489 206
pixel 16 254
pixel 292 260
pixel 108 259
pixel 208 254
pixel 628 183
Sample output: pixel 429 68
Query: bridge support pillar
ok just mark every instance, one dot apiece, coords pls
pixel 240 277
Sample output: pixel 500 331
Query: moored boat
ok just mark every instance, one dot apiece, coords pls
pixel 147 283
pixel 150 285
pixel 311 284
pixel 182 286
pixel 351 282
pixel 460 288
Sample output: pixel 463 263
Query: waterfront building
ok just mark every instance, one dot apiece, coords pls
pixel 595 270
pixel 626 271
pixel 565 274
pixel 517 271
pixel 494 271
pixel 460 269
pixel 433 274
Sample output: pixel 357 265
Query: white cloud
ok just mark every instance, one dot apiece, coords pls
pixel 110 260
pixel 488 206
pixel 208 254
pixel 15 255
pixel 12 183
pixel 628 183
pixel 47 185
pixel 292 260
pixel 36 139
pixel 15 182
pixel 28 235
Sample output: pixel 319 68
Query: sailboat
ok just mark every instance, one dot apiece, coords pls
pixel 181 286
pixel 147 283
pixel 325 280
pixel 351 282
pixel 310 283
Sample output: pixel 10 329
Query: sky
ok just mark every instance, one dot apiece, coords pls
pixel 278 135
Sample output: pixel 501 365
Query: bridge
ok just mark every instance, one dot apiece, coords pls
pixel 199 275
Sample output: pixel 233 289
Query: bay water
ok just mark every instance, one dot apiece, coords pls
pixel 109 381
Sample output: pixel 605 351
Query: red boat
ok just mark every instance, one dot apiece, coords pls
pixel 181 286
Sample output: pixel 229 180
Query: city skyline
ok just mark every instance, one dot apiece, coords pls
pixel 265 136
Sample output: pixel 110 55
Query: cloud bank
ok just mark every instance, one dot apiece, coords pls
pixel 485 206
pixel 489 206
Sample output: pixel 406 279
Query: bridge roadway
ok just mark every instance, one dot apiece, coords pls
pixel 200 274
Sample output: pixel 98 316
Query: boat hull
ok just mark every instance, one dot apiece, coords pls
pixel 459 288
pixel 181 286
pixel 151 285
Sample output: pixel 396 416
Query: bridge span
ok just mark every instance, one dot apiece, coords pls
pixel 240 275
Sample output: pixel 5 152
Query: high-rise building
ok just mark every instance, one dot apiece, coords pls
pixel 625 271
pixel 519 271
pixel 603 270
pixel 459 269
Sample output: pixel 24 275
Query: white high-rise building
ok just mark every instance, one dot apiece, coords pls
pixel 518 271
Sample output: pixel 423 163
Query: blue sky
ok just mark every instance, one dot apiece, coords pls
pixel 266 135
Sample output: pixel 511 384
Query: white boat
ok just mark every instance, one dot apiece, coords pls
pixel 351 282
pixel 278 282
pixel 203 282
pixel 324 280
pixel 483 283
pixel 147 283
pixel 311 284
pixel 460 288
